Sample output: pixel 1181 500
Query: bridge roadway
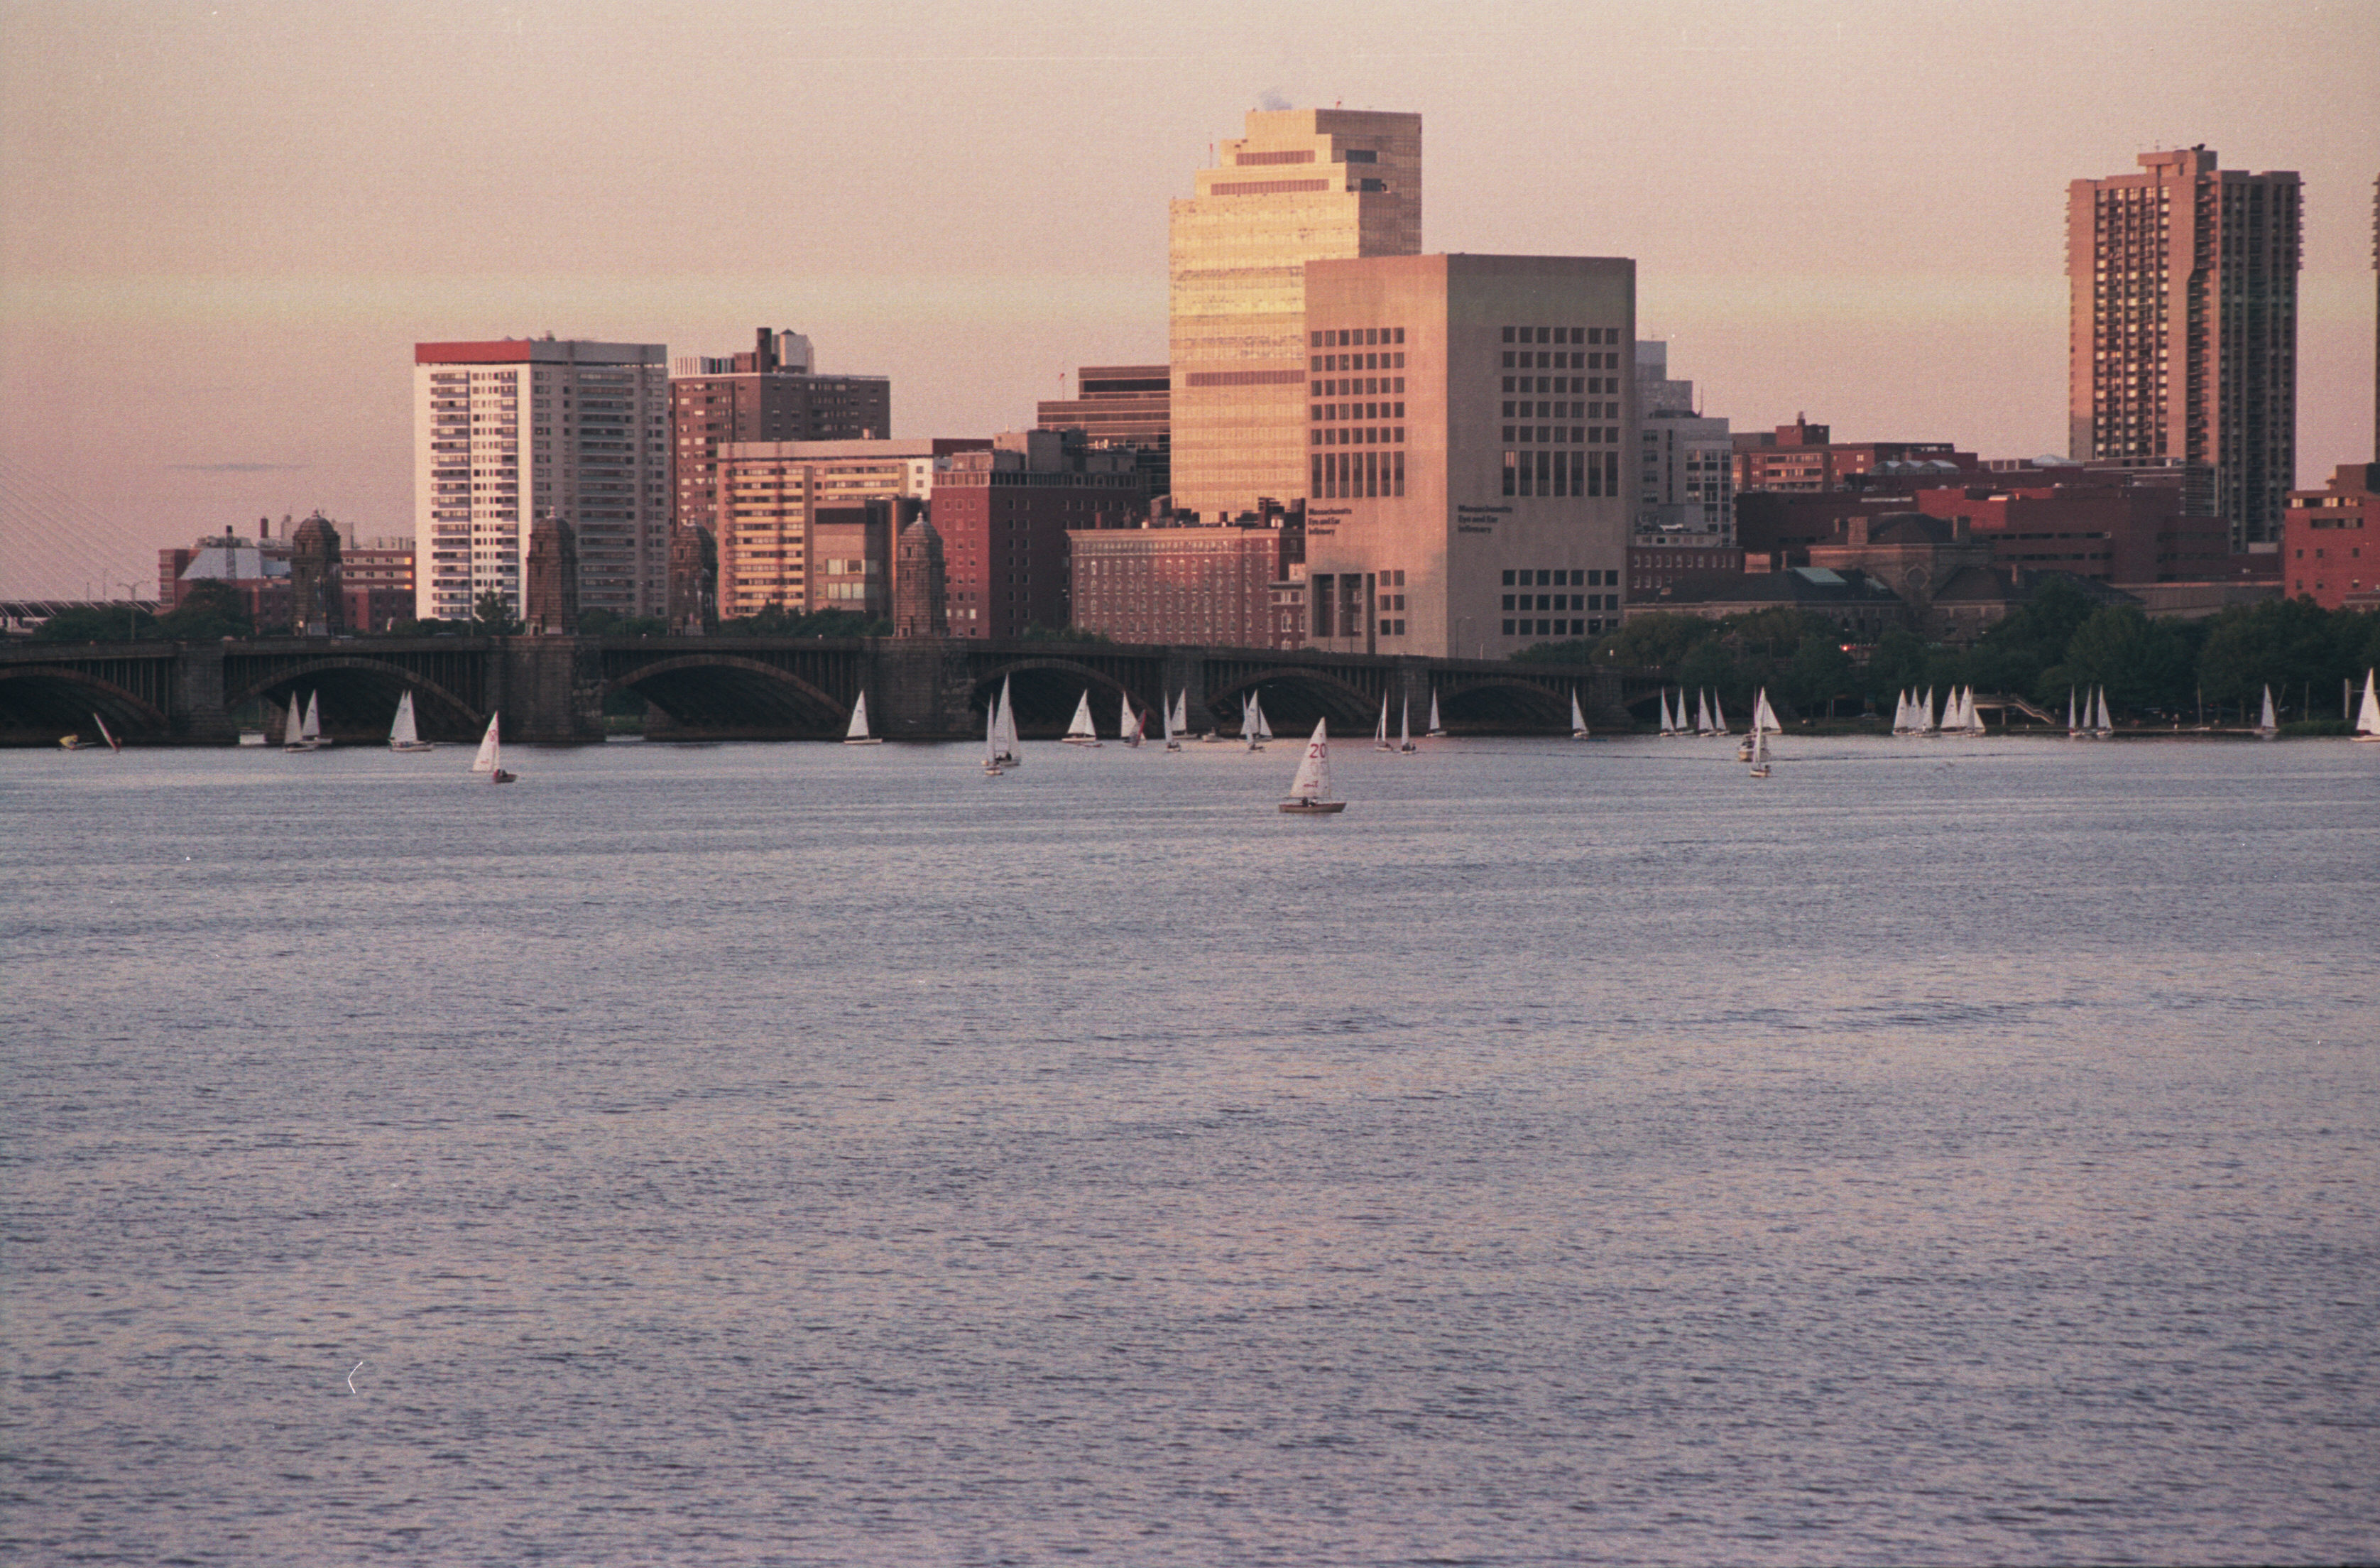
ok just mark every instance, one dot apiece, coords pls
pixel 553 688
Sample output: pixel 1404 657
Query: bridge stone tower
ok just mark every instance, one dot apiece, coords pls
pixel 920 602
pixel 318 603
pixel 552 580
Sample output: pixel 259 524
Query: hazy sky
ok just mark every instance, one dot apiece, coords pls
pixel 224 226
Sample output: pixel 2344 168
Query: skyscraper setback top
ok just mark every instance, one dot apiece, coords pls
pixel 1302 184
pixel 2183 325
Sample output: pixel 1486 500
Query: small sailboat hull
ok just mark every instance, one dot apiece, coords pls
pixel 1314 808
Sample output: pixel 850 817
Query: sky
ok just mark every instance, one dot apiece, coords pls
pixel 223 227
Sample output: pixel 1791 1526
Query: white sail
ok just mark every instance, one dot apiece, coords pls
pixel 313 731
pixel 1313 780
pixel 1759 748
pixel 1264 730
pixel 1669 723
pixel 1900 719
pixel 1764 717
pixel 1011 754
pixel 1405 727
pixel 1129 726
pixel 402 735
pixel 2073 723
pixel 2270 725
pixel 991 738
pixel 293 733
pixel 1178 716
pixel 488 759
pixel 1702 712
pixel 113 744
pixel 1925 713
pixel 2367 715
pixel 1380 731
pixel 1079 730
pixel 1435 727
pixel 1718 716
pixel 2106 724
pixel 1170 732
pixel 856 732
pixel 1578 719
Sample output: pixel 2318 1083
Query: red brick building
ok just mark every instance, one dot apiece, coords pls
pixel 1804 457
pixel 2328 538
pixel 1214 586
pixel 1653 566
pixel 770 393
pixel 1004 516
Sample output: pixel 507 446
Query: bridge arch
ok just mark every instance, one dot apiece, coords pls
pixel 1505 702
pixel 718 692
pixel 1294 696
pixel 54 699
pixel 1045 689
pixel 361 697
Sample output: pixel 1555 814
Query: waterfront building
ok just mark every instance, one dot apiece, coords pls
pixel 1211 587
pixel 1860 607
pixel 1471 477
pixel 1656 562
pixel 1301 185
pixel 1805 458
pixel 1005 514
pixel 771 392
pixel 2183 326
pixel 1685 464
pixel 2328 542
pixel 794 531
pixel 507 431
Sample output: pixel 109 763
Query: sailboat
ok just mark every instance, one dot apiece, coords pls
pixel 1764 724
pixel 304 730
pixel 2074 730
pixel 1925 714
pixel 1172 742
pixel 2268 727
pixel 402 735
pixel 1758 757
pixel 2367 715
pixel 1435 727
pixel 313 736
pixel 1380 732
pixel 1718 717
pixel 1900 706
pixel 1130 724
pixel 113 745
pixel 1703 714
pixel 1309 793
pixel 1010 754
pixel 1578 719
pixel 1264 729
pixel 1177 718
pixel 1079 732
pixel 1404 727
pixel 490 758
pixel 991 739
pixel 1251 725
pixel 857 733
pixel 1668 723
pixel 2104 726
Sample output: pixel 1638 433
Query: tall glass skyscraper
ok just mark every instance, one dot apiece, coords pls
pixel 1302 184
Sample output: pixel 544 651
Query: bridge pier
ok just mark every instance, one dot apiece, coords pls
pixel 553 686
pixel 198 714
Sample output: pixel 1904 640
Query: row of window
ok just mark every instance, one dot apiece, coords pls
pixel 1563 384
pixel 1561 334
pixel 1561 600
pixel 1352 476
pixel 1561 473
pixel 1358 435
pixel 1559 435
pixel 1358 338
pixel 1576 576
pixel 1556 628
pixel 1564 410
pixel 1370 386
pixel 1332 413
pixel 1558 360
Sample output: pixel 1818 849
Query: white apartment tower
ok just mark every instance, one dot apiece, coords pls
pixel 507 431
pixel 1304 185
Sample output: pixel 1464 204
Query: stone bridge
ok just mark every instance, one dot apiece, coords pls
pixel 553 688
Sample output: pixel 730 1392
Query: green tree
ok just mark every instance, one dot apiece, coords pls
pixel 210 612
pixel 2290 644
pixel 1577 650
pixel 1659 640
pixel 1819 672
pixel 1896 663
pixel 493 615
pixel 95 622
pixel 2142 663
pixel 1712 664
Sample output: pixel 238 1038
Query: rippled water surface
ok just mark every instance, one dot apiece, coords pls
pixel 1939 1152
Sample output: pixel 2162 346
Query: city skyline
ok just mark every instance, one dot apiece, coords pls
pixel 226 226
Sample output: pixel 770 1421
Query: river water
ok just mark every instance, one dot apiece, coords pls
pixel 1942 1151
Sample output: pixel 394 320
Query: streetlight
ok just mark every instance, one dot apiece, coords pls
pixel 132 608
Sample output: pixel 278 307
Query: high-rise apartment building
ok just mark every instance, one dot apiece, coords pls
pixel 2181 344
pixel 1471 477
pixel 1302 184
pixel 794 530
pixel 508 431
pixel 772 393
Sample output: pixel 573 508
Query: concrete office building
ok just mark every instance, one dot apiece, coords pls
pixel 1472 479
pixel 2183 328
pixel 1301 185
pixel 507 431
pixel 1685 463
pixel 1119 408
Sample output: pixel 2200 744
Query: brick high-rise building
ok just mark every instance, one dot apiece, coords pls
pixel 2181 343
pixel 508 431
pixel 1302 184
pixel 770 393
pixel 1003 516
